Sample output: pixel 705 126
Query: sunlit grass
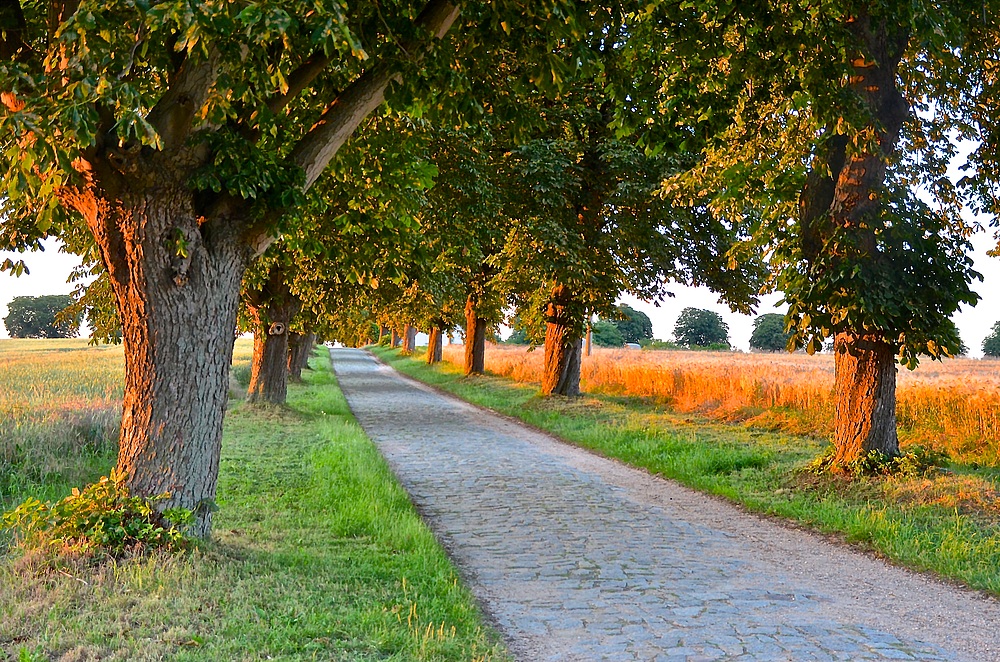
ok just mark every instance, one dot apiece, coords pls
pixel 947 522
pixel 951 406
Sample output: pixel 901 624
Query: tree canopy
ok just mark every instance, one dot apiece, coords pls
pixel 769 333
pixel 991 344
pixel 606 334
pixel 39 317
pixel 696 327
pixel 635 325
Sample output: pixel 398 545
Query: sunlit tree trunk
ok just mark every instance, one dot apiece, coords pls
pixel 842 190
pixel 434 344
pixel 865 397
pixel 563 347
pixel 176 282
pixel 475 339
pixel 395 340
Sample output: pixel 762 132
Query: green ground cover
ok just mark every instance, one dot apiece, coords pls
pixel 947 522
pixel 317 554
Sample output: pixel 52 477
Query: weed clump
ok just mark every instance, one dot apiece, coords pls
pixel 102 519
pixel 915 462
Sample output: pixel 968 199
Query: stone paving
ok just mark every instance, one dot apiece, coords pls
pixel 576 557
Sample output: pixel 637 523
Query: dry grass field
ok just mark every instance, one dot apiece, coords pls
pixel 951 406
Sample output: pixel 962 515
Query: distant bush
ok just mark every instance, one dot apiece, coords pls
pixel 241 373
pixel 606 334
pixel 646 343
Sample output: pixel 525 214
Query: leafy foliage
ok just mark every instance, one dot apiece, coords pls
pixel 916 462
pixel 635 325
pixel 40 317
pixel 606 334
pixel 101 518
pixel 697 327
pixel 769 333
pixel 991 344
pixel 777 115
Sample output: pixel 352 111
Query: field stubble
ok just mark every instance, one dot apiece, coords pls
pixel 951 406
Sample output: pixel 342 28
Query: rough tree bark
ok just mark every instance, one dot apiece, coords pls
pixel 434 344
pixel 865 396
pixel 409 339
pixel 300 347
pixel 475 338
pixel 563 347
pixel 272 311
pixel 176 281
pixel 840 192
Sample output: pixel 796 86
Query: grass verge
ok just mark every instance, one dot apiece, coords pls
pixel 947 523
pixel 317 554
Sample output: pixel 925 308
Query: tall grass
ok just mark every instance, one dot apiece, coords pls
pixel 60 412
pixel 60 404
pixel 951 406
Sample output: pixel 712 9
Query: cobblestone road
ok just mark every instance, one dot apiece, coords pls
pixel 576 557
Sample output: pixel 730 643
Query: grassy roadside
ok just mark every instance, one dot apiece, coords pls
pixel 318 554
pixel 948 523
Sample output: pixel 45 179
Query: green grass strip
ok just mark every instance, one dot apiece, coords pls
pixel 317 555
pixel 922 523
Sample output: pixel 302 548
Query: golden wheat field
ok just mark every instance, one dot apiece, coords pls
pixel 953 406
pixel 58 396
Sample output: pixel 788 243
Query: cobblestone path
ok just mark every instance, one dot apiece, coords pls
pixel 576 557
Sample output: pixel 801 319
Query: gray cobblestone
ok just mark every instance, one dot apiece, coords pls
pixel 578 558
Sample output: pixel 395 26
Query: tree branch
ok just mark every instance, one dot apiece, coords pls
pixel 174 114
pixel 299 79
pixel 318 147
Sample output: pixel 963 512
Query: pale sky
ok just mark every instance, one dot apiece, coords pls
pixel 50 270
pixel 974 324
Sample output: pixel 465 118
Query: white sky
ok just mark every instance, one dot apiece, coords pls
pixel 50 270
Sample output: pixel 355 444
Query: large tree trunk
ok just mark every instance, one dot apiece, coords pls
pixel 409 339
pixel 475 339
pixel 176 282
pixel 563 347
pixel 434 345
pixel 395 339
pixel 176 258
pixel 300 347
pixel 842 192
pixel 272 311
pixel 865 397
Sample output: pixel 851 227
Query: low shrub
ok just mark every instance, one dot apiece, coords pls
pixel 915 462
pixel 102 518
